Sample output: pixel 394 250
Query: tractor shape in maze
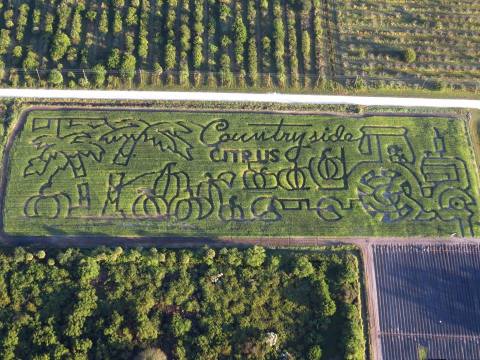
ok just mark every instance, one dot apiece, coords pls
pixel 133 168
pixel 392 184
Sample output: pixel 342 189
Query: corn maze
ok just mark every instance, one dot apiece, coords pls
pixel 240 174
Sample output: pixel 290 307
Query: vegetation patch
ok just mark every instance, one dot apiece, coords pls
pixel 224 174
pixel 161 43
pixel 420 44
pixel 321 45
pixel 208 304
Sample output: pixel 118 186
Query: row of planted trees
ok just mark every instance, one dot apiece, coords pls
pixel 113 43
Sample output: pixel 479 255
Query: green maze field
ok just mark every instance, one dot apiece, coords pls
pixel 123 173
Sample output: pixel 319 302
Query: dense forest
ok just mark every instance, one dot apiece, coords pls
pixel 112 43
pixel 180 304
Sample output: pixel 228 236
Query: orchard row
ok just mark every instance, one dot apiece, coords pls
pixel 229 43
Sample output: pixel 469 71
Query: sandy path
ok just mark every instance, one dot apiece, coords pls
pixel 239 97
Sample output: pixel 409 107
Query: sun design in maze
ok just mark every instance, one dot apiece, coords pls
pixel 386 195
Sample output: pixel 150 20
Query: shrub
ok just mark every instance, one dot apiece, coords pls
pixel 409 55
pixel 439 85
pixel 315 353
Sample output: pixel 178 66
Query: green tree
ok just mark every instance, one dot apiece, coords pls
pixel 55 77
pixel 8 17
pixel 17 51
pixel 303 267
pixel 255 256
pixel 76 27
pixel 252 61
pixel 60 44
pixel 113 61
pixel 131 18
pixel 127 69
pixel 117 22
pixel 170 56
pixel 422 352
pixel 240 38
pixel 306 46
pixel 99 73
pixel 118 3
pixel 143 47
pixel 4 41
pixel 91 15
pixel 180 326
pixel 48 24
pixel 103 24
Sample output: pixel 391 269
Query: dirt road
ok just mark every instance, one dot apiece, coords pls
pixel 238 97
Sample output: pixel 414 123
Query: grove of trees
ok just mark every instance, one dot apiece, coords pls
pixel 180 304
pixel 199 43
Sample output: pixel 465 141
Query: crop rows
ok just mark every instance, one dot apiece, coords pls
pixel 285 44
pixel 228 43
pixel 425 43
pixel 427 297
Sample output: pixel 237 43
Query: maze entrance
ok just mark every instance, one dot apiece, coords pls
pixel 179 173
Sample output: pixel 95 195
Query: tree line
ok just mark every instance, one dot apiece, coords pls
pixel 180 304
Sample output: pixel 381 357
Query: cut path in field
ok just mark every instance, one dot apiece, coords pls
pixel 364 243
pixel 239 97
pixel 240 204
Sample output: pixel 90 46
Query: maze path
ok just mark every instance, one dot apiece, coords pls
pixel 120 172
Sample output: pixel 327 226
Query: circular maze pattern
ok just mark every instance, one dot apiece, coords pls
pixel 384 195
